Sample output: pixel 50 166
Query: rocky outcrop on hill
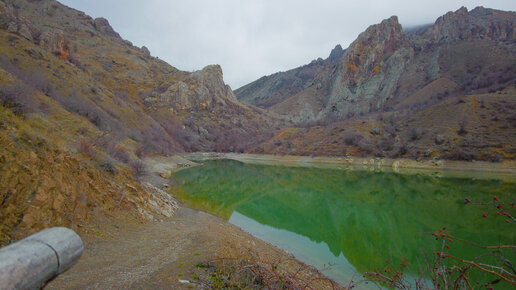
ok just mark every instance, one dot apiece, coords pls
pixel 12 21
pixel 201 89
pixel 470 51
pixel 102 25
pixel 479 23
pixel 369 71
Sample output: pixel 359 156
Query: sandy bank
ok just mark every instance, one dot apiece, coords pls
pixel 505 170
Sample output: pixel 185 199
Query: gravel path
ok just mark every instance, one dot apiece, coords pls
pixel 158 255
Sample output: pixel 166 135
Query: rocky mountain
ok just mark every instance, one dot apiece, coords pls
pixel 445 90
pixel 271 90
pixel 90 70
pixel 386 68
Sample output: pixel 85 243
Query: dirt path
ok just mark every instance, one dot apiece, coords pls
pixel 158 255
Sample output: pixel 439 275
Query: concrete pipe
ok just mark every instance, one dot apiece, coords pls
pixel 33 261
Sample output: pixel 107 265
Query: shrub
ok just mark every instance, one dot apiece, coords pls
pixel 461 154
pixel 163 88
pixel 107 65
pixel 82 130
pixel 278 142
pixel 32 79
pixel 415 134
pixel 138 168
pixel 366 146
pixel 391 128
pixel 18 98
pixel 494 157
pixel 76 103
pixel 482 104
pixel 118 152
pixel 86 147
pixel 462 128
pixel 140 152
pixel 259 150
pixel 385 144
pixel 352 138
pixel 108 166
pixel 121 95
pixel 402 150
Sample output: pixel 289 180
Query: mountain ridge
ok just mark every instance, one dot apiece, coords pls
pixel 369 65
pixel 429 94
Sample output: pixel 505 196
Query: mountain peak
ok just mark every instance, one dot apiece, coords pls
pixel 393 20
pixel 386 30
pixel 462 11
pixel 336 53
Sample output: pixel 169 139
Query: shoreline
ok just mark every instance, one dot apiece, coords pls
pixel 165 253
pixel 505 170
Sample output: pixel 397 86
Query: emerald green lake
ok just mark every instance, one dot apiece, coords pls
pixel 354 221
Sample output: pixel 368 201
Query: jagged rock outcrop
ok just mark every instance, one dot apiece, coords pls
pixel 210 79
pixel 336 53
pixel 369 71
pixel 479 23
pixel 202 89
pixel 102 25
pixel 145 51
pixel 384 67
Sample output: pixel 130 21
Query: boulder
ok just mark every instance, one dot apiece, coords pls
pixel 439 139
pixel 375 131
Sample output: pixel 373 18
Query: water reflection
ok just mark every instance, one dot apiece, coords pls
pixel 358 219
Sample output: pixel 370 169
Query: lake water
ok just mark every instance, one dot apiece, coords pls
pixel 348 222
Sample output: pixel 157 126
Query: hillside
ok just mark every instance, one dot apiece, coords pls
pixel 85 66
pixel 81 108
pixel 439 91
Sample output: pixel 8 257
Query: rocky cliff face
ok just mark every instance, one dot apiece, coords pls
pixel 385 67
pixel 439 91
pixel 369 71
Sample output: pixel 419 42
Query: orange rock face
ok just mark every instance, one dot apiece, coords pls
pixel 61 48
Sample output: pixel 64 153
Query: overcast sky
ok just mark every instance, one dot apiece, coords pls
pixel 252 38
